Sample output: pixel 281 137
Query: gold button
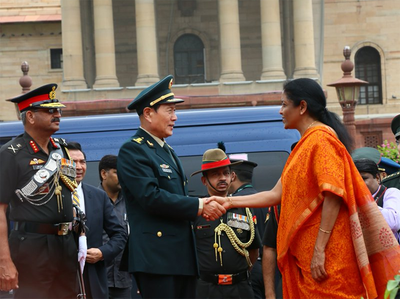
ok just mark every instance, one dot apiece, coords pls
pixel 159 234
pixel 169 177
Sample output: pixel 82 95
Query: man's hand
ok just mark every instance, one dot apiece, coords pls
pixel 8 275
pixel 94 255
pixel 213 210
pixel 223 201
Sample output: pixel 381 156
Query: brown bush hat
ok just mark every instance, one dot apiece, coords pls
pixel 214 158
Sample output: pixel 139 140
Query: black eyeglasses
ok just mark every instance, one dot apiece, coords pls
pixel 50 111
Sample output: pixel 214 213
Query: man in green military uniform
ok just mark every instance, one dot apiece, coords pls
pixel 393 180
pixel 227 247
pixel 162 253
pixel 36 179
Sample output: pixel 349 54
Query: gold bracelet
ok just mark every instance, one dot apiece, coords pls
pixel 230 201
pixel 325 231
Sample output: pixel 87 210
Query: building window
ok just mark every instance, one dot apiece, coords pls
pixel 368 68
pixel 372 139
pixel 189 60
pixel 56 58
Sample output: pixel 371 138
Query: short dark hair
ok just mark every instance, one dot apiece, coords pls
pixel 107 162
pixel 368 166
pixel 244 175
pixel 73 145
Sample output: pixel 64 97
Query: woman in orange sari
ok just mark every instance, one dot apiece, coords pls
pixel 332 240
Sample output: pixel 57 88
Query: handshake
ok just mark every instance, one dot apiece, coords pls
pixel 214 207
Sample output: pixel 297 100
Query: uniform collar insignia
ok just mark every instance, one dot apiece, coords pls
pixel 53 142
pixel 36 161
pixel 164 166
pixel 149 143
pixel 34 146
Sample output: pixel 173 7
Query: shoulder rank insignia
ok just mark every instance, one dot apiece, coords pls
pixel 149 143
pixel 138 140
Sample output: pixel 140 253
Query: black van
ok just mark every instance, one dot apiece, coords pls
pixel 255 131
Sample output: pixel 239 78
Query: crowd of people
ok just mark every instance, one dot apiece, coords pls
pixel 328 229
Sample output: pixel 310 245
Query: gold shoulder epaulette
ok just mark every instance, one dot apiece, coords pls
pixel 138 140
pixel 396 174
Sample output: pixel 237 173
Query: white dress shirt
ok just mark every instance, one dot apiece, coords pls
pixel 391 209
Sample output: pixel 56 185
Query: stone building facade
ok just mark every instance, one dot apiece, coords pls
pixel 102 53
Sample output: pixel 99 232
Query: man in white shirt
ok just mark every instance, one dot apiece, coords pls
pixel 388 199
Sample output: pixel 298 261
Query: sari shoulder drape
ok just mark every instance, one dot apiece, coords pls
pixel 320 163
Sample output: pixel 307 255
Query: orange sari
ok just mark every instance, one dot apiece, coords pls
pixel 362 253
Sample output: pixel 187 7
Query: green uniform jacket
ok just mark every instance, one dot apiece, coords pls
pixel 392 181
pixel 158 207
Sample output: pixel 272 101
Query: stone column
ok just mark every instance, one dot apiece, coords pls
pixel 304 40
pixel 72 45
pixel 146 43
pixel 231 58
pixel 104 44
pixel 271 40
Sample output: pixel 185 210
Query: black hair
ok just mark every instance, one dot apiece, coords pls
pixel 366 165
pixel 311 92
pixel 107 162
pixel 244 175
pixel 73 145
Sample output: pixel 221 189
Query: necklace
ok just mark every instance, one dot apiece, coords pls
pixel 311 124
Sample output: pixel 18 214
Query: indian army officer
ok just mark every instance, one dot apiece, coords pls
pixel 39 260
pixel 227 247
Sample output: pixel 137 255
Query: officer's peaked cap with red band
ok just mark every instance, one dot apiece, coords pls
pixel 214 158
pixel 43 97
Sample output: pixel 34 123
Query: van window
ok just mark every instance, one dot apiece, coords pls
pixel 266 174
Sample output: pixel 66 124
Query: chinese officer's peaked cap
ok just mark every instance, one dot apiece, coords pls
pixel 43 97
pixel 158 93
pixel 396 126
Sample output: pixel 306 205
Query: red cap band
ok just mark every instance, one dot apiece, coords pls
pixel 208 165
pixel 25 104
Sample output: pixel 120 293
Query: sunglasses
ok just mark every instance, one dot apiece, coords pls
pixel 49 111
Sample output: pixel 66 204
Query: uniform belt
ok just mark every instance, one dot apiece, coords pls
pixel 224 279
pixel 60 229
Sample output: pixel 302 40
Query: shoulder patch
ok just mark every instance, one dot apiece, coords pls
pixel 14 147
pixel 138 140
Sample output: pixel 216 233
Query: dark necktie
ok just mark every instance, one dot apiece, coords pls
pixel 166 148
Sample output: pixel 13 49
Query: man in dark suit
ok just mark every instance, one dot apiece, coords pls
pixel 162 252
pixel 100 216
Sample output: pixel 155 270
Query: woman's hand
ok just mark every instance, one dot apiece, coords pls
pixel 223 201
pixel 318 272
